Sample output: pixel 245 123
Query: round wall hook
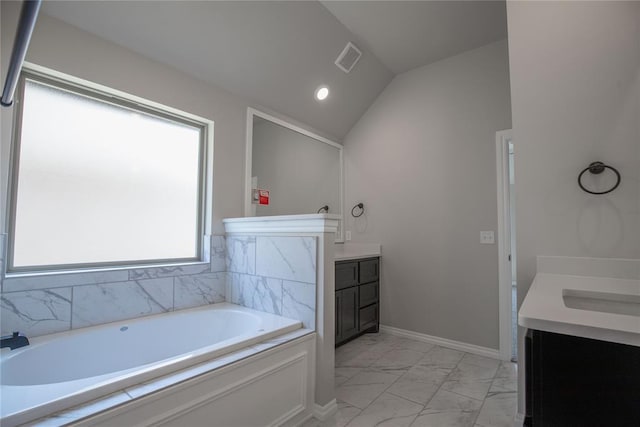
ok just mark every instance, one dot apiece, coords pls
pixel 596 168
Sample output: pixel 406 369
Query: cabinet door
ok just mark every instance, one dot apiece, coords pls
pixel 369 271
pixel 368 317
pixel 368 294
pixel 349 312
pixel 346 275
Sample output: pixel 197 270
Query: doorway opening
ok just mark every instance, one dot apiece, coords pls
pixel 505 151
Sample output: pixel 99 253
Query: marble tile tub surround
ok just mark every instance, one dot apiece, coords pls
pixel 276 274
pixel 614 268
pixel 77 300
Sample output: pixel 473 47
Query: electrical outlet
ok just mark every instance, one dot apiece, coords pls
pixel 348 235
pixel 487 237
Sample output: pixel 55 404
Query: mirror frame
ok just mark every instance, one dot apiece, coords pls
pixel 251 113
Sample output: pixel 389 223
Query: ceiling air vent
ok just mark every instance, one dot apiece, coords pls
pixel 348 58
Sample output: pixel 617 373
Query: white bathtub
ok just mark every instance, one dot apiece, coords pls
pixel 65 369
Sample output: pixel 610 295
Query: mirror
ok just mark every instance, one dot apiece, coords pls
pixel 301 171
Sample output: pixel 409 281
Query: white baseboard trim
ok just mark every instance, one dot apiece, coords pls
pixel 322 413
pixel 444 342
pixel 518 420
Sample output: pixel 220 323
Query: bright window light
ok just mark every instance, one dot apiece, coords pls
pixel 101 182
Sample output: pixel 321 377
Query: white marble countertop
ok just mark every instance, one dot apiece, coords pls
pixel 544 308
pixel 347 251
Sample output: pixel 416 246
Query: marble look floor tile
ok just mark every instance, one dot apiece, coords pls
pixel 408 344
pixel 442 357
pixel 467 370
pixel 504 385
pixel 507 370
pixel 476 389
pixel 370 343
pixel 450 410
pixel 312 422
pixel 342 375
pixel 356 359
pixel 398 360
pixel 387 410
pixel 471 378
pixel 365 387
pixel 419 384
pixel 498 410
pixel 346 413
pixel 474 359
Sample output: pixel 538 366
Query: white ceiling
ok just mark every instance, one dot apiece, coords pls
pixel 409 34
pixel 277 53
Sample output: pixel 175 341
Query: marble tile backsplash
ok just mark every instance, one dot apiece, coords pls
pixel 275 274
pixel 36 312
pixel 287 258
pixel 39 305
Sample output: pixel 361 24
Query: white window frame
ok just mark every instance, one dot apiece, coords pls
pixel 122 99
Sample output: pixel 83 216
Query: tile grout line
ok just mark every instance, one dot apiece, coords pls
pixel 438 389
pixel 391 384
pixel 369 366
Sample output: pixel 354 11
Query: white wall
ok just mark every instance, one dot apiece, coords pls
pixel 301 173
pixel 575 89
pixel 422 160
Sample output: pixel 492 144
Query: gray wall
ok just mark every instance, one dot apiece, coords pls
pixel 301 173
pixel 64 48
pixel 576 99
pixel 42 305
pixel 422 160
pixel 575 88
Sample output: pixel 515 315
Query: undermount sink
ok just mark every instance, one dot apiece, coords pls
pixel 604 302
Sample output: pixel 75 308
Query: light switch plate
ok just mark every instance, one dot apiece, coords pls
pixel 487 237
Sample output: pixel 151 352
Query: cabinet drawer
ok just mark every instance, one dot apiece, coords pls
pixel 368 271
pixel 346 275
pixel 368 294
pixel 368 316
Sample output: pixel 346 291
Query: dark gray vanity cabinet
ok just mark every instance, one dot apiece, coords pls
pixel 575 381
pixel 357 298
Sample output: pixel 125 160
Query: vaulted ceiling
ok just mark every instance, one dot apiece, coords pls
pixel 277 53
pixel 409 34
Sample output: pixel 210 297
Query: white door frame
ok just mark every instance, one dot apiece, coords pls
pixel 504 242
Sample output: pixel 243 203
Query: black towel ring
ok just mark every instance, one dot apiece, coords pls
pixel 597 168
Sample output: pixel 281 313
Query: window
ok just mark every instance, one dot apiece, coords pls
pixel 99 180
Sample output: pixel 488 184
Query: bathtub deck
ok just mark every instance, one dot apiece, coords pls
pixel 127 394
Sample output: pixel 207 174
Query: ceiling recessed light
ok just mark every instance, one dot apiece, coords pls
pixel 321 93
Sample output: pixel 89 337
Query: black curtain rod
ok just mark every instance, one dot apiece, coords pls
pixel 28 16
